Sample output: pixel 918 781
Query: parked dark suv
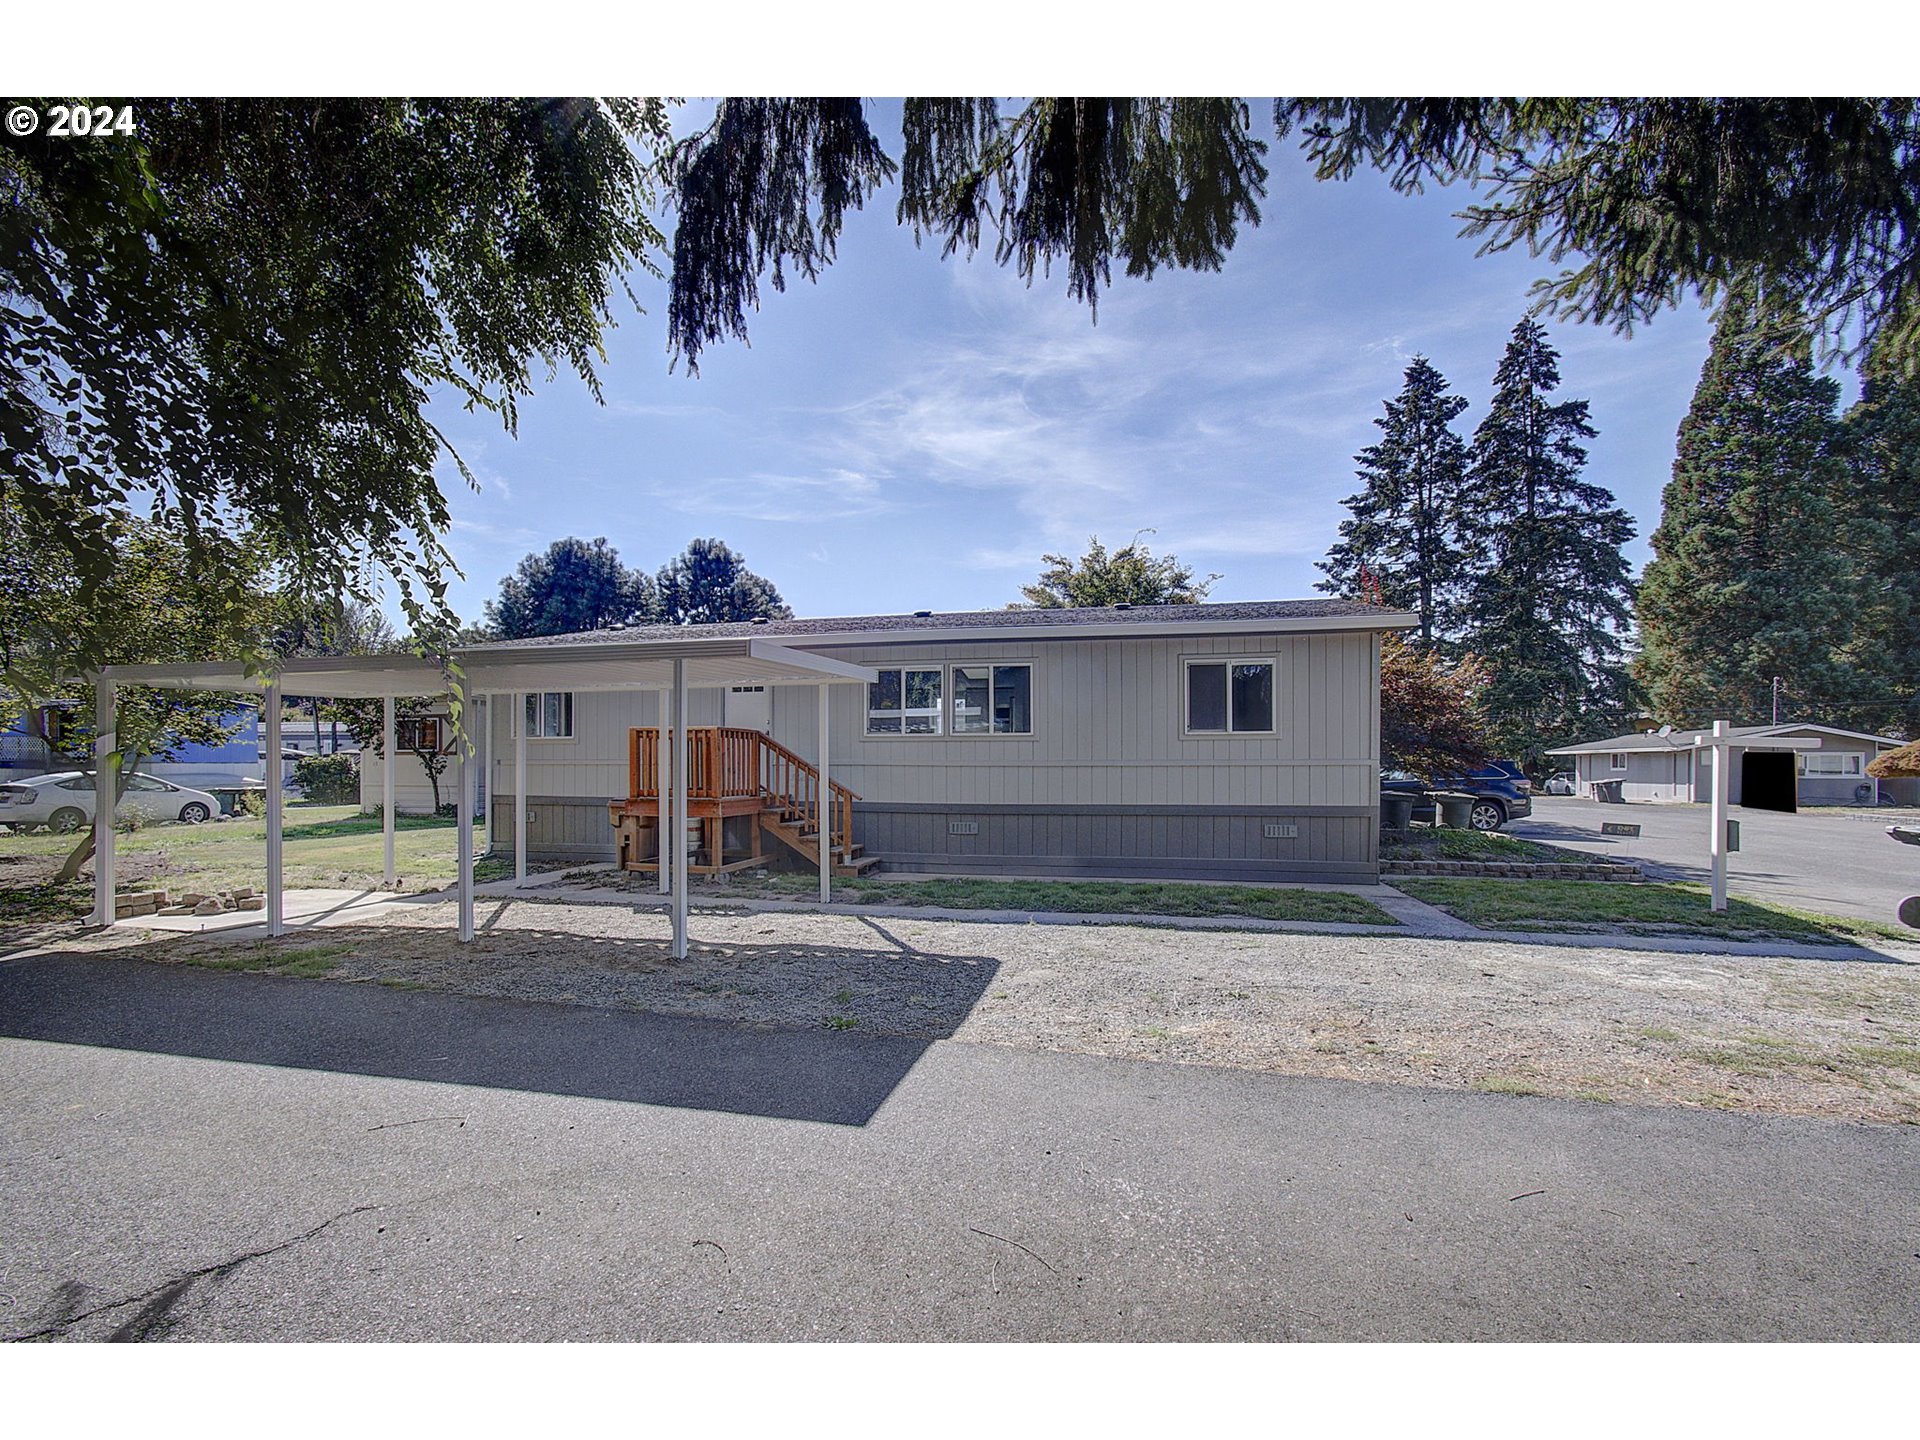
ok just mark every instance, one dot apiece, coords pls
pixel 1500 792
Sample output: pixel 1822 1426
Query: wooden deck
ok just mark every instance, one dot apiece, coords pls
pixel 743 788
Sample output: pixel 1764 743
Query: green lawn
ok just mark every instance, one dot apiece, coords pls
pixel 1116 897
pixel 1654 909
pixel 327 847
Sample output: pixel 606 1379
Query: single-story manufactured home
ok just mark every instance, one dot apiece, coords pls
pixel 1773 769
pixel 1222 741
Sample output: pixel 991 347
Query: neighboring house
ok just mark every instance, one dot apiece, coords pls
pixel 237 760
pixel 417 737
pixel 1671 769
pixel 1227 741
pixel 23 750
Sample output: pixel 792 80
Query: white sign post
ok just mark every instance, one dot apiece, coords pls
pixel 1725 746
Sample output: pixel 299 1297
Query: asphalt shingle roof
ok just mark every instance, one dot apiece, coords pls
pixel 998 621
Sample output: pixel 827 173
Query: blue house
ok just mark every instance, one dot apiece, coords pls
pixel 24 753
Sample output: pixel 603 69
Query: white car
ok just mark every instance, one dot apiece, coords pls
pixel 64 803
pixel 1559 783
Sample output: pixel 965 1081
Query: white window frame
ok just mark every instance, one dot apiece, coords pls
pixel 520 710
pixel 442 733
pixel 938 712
pixel 1187 662
pixel 1617 760
pixel 953 700
pixel 1851 769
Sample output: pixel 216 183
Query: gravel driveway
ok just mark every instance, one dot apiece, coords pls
pixel 1834 1037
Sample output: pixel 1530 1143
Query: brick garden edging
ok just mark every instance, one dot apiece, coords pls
pixel 1504 870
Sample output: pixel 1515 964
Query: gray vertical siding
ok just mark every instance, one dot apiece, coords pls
pixel 1107 782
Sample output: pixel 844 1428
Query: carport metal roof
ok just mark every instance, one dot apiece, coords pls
pixel 610 665
pixel 670 663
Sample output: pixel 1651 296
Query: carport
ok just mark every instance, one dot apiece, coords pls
pixel 668 666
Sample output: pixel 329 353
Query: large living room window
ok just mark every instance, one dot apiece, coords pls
pixel 993 699
pixel 1230 697
pixel 904 702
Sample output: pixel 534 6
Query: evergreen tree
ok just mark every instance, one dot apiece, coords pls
pixel 574 586
pixel 1549 598
pixel 1881 516
pixel 1405 526
pixel 1748 579
pixel 1131 575
pixel 710 584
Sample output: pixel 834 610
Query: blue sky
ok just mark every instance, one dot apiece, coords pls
pixel 912 433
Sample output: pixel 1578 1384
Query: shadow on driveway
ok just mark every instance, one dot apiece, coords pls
pixel 838 1078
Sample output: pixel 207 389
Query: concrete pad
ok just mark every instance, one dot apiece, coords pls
pixel 305 909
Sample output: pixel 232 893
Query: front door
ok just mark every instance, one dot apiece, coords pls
pixel 750 707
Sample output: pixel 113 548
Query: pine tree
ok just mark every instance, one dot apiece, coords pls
pixel 709 584
pixel 1881 518
pixel 1405 526
pixel 1748 579
pixel 1549 597
pixel 575 586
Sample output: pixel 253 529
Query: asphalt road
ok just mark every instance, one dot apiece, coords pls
pixel 190 1155
pixel 1841 863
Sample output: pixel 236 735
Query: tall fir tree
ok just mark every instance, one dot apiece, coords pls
pixel 1749 579
pixel 1881 519
pixel 1405 526
pixel 1549 596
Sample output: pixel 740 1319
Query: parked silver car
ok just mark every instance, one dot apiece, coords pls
pixel 65 802
pixel 1559 783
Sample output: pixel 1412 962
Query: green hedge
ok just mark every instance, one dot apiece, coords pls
pixel 328 779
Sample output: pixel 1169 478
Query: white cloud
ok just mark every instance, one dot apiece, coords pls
pixel 835 495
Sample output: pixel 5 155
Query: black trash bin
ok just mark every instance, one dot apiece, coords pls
pixel 1609 792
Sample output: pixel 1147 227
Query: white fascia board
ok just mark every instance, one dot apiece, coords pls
pixel 1014 634
pixel 647 665
pixel 1885 740
pixel 1755 742
pixel 825 667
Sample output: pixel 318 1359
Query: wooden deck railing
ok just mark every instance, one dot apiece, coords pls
pixel 729 763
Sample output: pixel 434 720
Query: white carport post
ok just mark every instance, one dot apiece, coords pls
pixel 682 782
pixel 824 836
pixel 276 800
pixel 390 762
pixel 1717 842
pixel 487 787
pixel 662 766
pixel 463 811
pixel 103 746
pixel 519 789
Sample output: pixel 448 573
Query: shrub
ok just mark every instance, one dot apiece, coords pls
pixel 328 779
pixel 252 803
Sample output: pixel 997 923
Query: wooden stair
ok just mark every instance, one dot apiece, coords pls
pixel 735 773
pixel 803 838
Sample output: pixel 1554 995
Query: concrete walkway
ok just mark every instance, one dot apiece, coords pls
pixel 311 909
pixel 202 1156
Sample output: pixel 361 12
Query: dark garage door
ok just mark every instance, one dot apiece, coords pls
pixel 1768 780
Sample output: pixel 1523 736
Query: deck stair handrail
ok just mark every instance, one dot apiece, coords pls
pixel 733 763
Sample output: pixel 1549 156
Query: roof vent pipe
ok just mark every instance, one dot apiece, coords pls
pixel 922 614
pixel 758 620
pixel 1123 605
